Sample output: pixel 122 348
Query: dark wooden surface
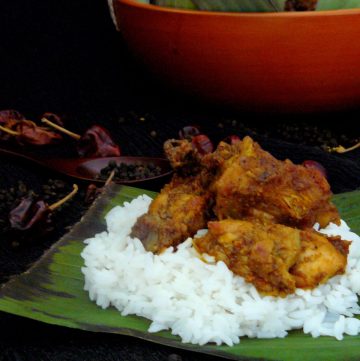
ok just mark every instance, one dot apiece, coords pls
pixel 66 57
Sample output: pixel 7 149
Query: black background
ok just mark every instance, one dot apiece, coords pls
pixel 66 57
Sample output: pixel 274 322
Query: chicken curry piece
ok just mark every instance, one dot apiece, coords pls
pixel 175 214
pixel 277 259
pixel 252 182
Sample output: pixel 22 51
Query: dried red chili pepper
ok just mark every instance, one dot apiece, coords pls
pixel 54 118
pixel 30 133
pixel 189 131
pixel 33 212
pixel 29 212
pixel 10 115
pixel 202 144
pixel 232 139
pixel 95 142
pixel 92 191
pixel 27 132
pixel 91 194
pixel 8 119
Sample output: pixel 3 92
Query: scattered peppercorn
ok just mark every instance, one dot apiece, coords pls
pixel 174 357
pixel 48 193
pixel 123 171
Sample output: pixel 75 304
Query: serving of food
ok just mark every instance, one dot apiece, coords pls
pixel 257 5
pixel 237 244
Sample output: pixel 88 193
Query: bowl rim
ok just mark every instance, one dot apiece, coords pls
pixel 280 14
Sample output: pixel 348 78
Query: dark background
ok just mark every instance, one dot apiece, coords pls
pixel 66 57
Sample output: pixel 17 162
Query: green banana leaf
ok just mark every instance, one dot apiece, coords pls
pixel 338 4
pixel 225 5
pixel 52 291
pixel 251 5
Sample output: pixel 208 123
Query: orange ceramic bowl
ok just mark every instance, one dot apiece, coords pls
pixel 282 62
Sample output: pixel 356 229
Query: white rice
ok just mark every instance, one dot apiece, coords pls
pixel 205 302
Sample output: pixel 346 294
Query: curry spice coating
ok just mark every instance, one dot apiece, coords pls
pixel 277 259
pixel 259 210
pixel 174 215
pixel 252 183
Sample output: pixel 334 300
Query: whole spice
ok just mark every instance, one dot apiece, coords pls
pixel 123 171
pixel 92 191
pixel 95 142
pixel 189 131
pixel 13 124
pixel 7 116
pixel 91 194
pixel 54 118
pixel 202 144
pixel 34 213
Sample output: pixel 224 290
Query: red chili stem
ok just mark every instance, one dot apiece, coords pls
pixel 57 204
pixel 110 178
pixel 9 131
pixel 61 129
pixel 340 149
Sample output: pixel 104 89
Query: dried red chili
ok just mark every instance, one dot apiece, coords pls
pixel 189 131
pixel 27 132
pixel 14 124
pixel 92 191
pixel 8 119
pixel 202 144
pixel 29 212
pixel 95 142
pixel 91 194
pixel 10 115
pixel 33 212
pixel 30 133
pixel 54 118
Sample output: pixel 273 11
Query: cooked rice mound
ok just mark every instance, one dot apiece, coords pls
pixel 205 302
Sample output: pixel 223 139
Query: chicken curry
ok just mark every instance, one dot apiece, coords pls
pixel 259 212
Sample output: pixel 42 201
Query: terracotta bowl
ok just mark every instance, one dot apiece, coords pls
pixel 281 62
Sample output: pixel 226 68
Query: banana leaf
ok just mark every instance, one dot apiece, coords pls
pixel 182 4
pixel 251 5
pixel 338 4
pixel 52 291
pixel 225 5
